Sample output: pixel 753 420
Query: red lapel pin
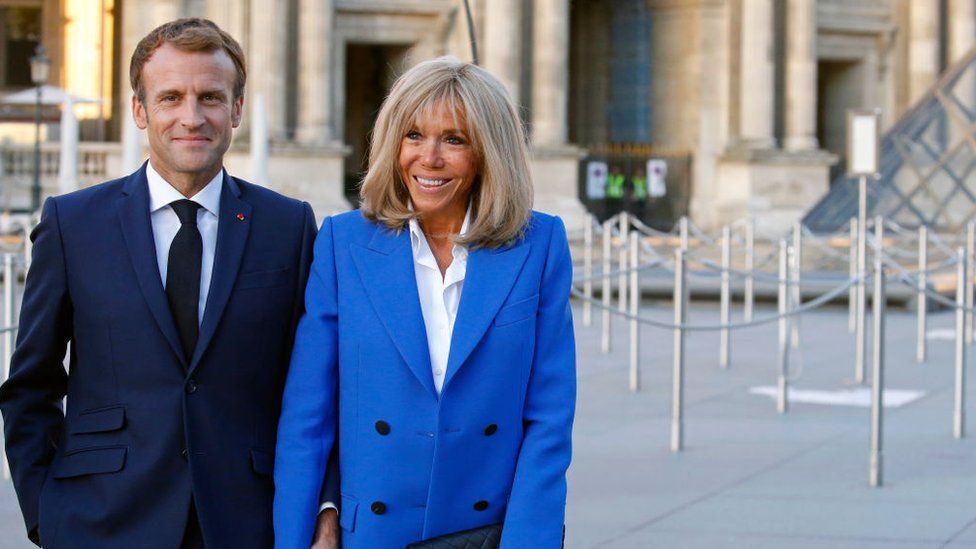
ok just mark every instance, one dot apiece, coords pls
pixel 240 217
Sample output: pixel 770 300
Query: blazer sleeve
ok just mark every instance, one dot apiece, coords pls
pixel 537 505
pixel 30 399
pixel 307 427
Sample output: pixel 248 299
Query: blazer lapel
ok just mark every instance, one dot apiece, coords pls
pixel 233 224
pixel 133 211
pixel 488 279
pixel 387 273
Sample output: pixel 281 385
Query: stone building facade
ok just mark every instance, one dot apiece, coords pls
pixel 752 93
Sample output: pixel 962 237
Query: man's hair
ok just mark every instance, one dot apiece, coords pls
pixel 501 198
pixel 191 34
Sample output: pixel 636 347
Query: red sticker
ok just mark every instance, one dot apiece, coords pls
pixel 240 217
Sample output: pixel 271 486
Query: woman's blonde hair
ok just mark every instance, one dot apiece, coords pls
pixel 502 193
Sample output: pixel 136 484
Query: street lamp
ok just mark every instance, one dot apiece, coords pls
pixel 39 64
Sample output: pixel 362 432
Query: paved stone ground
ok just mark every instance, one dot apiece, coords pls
pixel 748 476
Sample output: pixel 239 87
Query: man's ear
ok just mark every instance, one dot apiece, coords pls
pixel 237 110
pixel 139 113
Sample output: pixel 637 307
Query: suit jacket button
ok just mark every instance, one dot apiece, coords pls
pixel 491 429
pixel 481 505
pixel 191 386
pixel 183 453
pixel 378 507
pixel 382 427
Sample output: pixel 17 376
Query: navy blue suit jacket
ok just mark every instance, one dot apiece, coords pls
pixel 144 429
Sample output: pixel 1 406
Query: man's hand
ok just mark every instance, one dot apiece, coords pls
pixel 327 530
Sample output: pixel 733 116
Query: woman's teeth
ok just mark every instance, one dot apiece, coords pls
pixel 430 182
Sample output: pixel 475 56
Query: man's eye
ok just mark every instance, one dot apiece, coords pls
pixel 169 98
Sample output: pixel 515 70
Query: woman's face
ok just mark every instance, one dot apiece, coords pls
pixel 437 163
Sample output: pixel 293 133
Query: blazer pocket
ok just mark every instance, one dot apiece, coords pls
pixel 90 461
pixel 520 310
pixel 347 513
pixel 100 420
pixel 263 279
pixel 262 462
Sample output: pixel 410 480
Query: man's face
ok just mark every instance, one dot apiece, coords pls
pixel 188 110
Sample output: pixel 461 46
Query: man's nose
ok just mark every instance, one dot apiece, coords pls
pixel 191 115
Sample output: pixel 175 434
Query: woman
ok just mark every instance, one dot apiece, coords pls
pixel 437 346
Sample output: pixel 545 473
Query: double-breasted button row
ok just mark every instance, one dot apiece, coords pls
pixel 383 428
pixel 491 429
pixel 481 505
pixel 378 507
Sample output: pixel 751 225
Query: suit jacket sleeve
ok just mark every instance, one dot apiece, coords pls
pixel 31 398
pixel 536 507
pixel 307 427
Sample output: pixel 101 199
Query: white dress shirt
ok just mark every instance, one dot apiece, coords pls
pixel 439 295
pixel 165 224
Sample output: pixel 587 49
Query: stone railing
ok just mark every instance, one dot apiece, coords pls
pixel 96 163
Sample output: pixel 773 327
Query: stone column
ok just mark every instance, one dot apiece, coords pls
pixel 230 15
pixel 502 43
pixel 923 54
pixel 266 57
pixel 962 28
pixel 801 75
pixel 756 75
pixel 550 72
pixel 315 34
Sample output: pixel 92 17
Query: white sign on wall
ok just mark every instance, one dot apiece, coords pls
pixel 657 171
pixel 596 180
pixel 863 136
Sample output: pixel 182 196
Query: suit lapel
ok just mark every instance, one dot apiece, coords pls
pixel 133 211
pixel 233 224
pixel 488 279
pixel 387 273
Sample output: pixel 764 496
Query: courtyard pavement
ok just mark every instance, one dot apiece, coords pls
pixel 749 477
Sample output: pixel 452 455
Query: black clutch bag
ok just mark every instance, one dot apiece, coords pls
pixel 483 537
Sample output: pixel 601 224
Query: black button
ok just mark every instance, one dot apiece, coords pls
pixel 191 386
pixel 491 429
pixel 481 505
pixel 183 453
pixel 378 507
pixel 382 427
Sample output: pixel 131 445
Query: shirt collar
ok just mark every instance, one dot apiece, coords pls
pixel 161 193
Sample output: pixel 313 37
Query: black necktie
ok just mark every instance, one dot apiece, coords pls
pixel 183 275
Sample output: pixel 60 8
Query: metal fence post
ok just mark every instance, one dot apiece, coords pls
pixel 861 331
pixel 749 289
pixel 797 267
pixel 635 296
pixel 784 344
pixel 921 298
pixel 677 382
pixel 9 283
pixel 852 295
pixel 588 270
pixel 970 258
pixel 726 298
pixel 606 290
pixel 622 277
pixel 878 341
pixel 959 404
pixel 683 232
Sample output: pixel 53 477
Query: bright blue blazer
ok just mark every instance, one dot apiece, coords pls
pixel 493 446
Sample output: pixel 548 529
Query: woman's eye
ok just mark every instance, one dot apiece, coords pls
pixel 413 134
pixel 455 140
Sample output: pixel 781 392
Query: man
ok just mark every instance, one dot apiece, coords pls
pixel 179 288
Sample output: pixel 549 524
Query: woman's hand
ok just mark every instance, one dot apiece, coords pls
pixel 327 530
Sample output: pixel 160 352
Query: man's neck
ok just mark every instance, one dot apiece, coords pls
pixel 188 184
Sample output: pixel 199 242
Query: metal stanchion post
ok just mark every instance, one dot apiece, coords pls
pixel 877 344
pixel 606 291
pixel 748 289
pixel 921 299
pixel 861 331
pixel 588 270
pixel 622 280
pixel 784 332
pixel 635 296
pixel 725 298
pixel 797 267
pixel 970 258
pixel 852 296
pixel 678 381
pixel 959 404
pixel 9 283
pixel 683 232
